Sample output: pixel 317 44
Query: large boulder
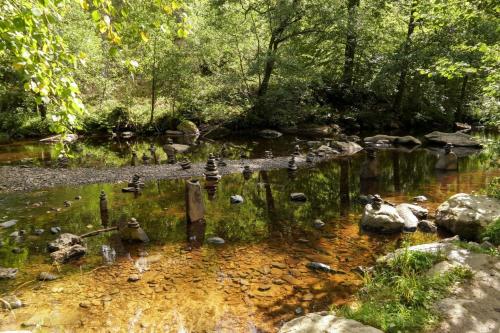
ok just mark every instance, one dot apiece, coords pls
pixel 323 322
pixel 270 134
pixel 386 219
pixel 406 140
pixel 458 139
pixel 467 215
pixel 188 128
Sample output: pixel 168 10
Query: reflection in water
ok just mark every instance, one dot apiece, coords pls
pixel 395 168
pixel 345 201
pixel 195 214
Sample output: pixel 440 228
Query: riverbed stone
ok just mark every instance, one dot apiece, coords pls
pixel 215 240
pixel 318 224
pixel 467 215
pixel 134 278
pixel 386 219
pixel 66 248
pixel 457 139
pixel 323 322
pixel 46 276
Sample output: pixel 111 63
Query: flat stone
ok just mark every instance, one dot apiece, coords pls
pixel 264 287
pixel 215 240
pixel 8 273
pixel 278 265
pixel 298 197
pixel 46 276
pixel 133 278
pixel 8 224
pixel 327 323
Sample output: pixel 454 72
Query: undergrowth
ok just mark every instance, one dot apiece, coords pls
pixel 398 296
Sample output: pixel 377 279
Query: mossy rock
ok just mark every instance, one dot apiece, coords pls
pixel 188 128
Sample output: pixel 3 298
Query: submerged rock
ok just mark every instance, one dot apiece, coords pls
pixel 46 276
pixel 8 224
pixel 11 302
pixel 324 322
pixel 236 199
pixel 215 240
pixel 8 273
pixel 467 215
pixel 318 266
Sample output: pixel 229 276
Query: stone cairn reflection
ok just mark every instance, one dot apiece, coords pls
pixel 247 172
pixel 369 168
pixel 296 150
pixel 211 171
pixel 152 151
pixel 310 157
pixel 292 166
pixel 448 160
pixel 133 232
pixel 195 214
pixel 103 208
pixel 268 154
pixel 145 159
pixel 185 164
pixel 135 160
pixel 135 185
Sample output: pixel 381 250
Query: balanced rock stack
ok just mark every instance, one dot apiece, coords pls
pixel 268 154
pixel 152 151
pixel 134 232
pixel 247 172
pixel 292 166
pixel 136 181
pixel 211 172
pixel 221 162
pixel 296 151
pixel 145 159
pixel 185 164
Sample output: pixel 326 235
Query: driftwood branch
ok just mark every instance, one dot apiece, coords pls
pixel 97 232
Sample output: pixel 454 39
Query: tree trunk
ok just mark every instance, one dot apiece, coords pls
pixel 153 84
pixel 401 87
pixel 351 42
pixel 268 68
pixel 458 114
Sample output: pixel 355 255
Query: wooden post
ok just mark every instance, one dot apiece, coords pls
pixel 195 213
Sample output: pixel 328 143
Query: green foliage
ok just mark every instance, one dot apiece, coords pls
pixel 493 233
pixel 477 248
pixel 493 188
pixel 398 296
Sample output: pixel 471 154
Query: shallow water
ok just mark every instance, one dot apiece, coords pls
pixel 221 288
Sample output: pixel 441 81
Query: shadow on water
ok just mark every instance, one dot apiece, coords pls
pixel 266 228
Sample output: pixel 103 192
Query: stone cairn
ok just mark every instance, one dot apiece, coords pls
pixel 62 159
pixel 170 151
pixel 152 151
pixel 221 162
pixel 145 159
pixel 103 208
pixel 296 150
pixel 310 156
pixel 135 160
pixel 223 151
pixel 377 202
pixel 136 181
pixel 247 172
pixel 134 232
pixel 211 172
pixel 268 154
pixel 185 163
pixel 292 166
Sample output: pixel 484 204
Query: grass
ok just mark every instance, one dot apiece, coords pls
pixel 493 188
pixel 398 296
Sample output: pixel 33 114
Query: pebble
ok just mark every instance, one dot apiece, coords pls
pixel 38 232
pixel 85 305
pixel 67 203
pixel 299 311
pixel 55 230
pixel 264 287
pixel 298 197
pixel 78 197
pixel 134 278
pixel 420 198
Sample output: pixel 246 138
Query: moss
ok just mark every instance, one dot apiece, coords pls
pixel 399 297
